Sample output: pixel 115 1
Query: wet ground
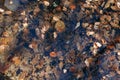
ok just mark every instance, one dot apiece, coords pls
pixel 59 40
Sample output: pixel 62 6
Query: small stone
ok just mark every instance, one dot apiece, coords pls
pixel 33 45
pixel 96 25
pixel 37 30
pixel 94 51
pixel 64 71
pixel 25 25
pixel 118 4
pixel 23 13
pixel 1 10
pixel 101 11
pixel 118 53
pixel 104 78
pixel 56 18
pixel 88 61
pixel 103 41
pixel 11 2
pixel 85 25
pixel 90 33
pixel 97 45
pixel 64 9
pixel 77 25
pixel 55 35
pixel 42 36
pixel 46 3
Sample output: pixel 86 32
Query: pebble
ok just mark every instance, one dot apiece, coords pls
pixel 56 18
pixel 46 3
pixel 1 10
pixel 77 25
pixel 88 61
pixel 64 9
pixel 96 25
pixel 64 71
pixel 25 25
pixel 55 35
pixel 90 33
pixel 97 45
pixel 94 51
pixel 118 4
pixel 118 53
pixel 23 13
pixel 85 25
